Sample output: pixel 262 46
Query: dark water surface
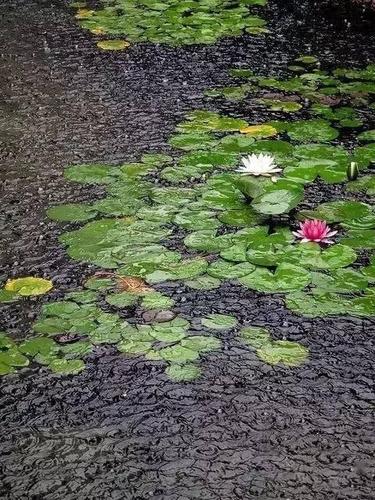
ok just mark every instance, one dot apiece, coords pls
pixel 121 429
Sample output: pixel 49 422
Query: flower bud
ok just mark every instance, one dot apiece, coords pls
pixel 352 171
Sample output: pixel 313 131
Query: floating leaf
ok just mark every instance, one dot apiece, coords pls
pixel 203 282
pixel 338 211
pixel 311 131
pixel 38 345
pixel 156 300
pixel 123 299
pixel 255 336
pixel 91 174
pixel 12 357
pixel 287 278
pixel 228 270
pixel 28 286
pixel 365 184
pixel 259 131
pixel 67 366
pixel 367 136
pixel 183 373
pixel 71 212
pixel 201 343
pixel 306 59
pixel 360 239
pixel 219 322
pixel 113 44
pixel 178 354
pixel 283 352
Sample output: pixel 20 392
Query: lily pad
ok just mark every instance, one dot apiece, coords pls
pixel 204 282
pixel 338 211
pixel 71 212
pixel 287 278
pixel 367 136
pixel 183 373
pixel 38 345
pixel 113 44
pixel 29 286
pixel 123 299
pixel 283 352
pixel 255 336
pixel 156 300
pixel 311 131
pixel 228 270
pixel 219 321
pixel 67 366
pixel 201 343
pixel 178 354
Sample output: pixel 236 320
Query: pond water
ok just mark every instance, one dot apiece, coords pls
pixel 179 341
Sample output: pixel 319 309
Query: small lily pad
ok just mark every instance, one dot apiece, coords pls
pixel 29 286
pixel 71 212
pixel 204 282
pixel 219 322
pixel 113 44
pixel 283 352
pixel 183 373
pixel 67 366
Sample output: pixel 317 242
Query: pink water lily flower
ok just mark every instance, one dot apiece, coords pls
pixel 314 230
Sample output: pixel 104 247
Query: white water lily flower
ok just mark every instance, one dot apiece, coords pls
pixel 259 165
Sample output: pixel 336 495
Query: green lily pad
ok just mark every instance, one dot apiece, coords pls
pixel 360 239
pixel 313 306
pixel 113 44
pixel 183 373
pixel 134 347
pixel 312 256
pixel 62 309
pixel 311 131
pixel 196 220
pixel 255 336
pixel 77 349
pixel 13 357
pixel 204 282
pixel 368 136
pixel 192 141
pixel 306 59
pixel 338 211
pixel 91 174
pixel 283 352
pixel 278 105
pixel 241 218
pixel 29 286
pixel 84 297
pixel 228 270
pixel 279 198
pixel 67 366
pixel 365 184
pixel 287 278
pixel 364 155
pixel 340 281
pixel 219 322
pixel 38 345
pixel 178 271
pixel 7 296
pixel 178 354
pixel 123 299
pixel 99 283
pixel 71 212
pixel 156 300
pixel 201 343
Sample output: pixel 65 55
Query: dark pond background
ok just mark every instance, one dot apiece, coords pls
pixel 121 429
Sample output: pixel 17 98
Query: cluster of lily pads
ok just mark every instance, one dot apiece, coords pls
pixel 172 22
pixel 229 223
